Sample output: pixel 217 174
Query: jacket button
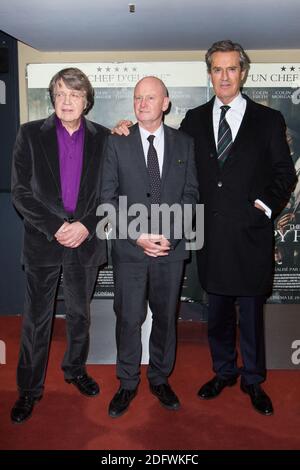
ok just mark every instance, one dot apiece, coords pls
pixel 148 195
pixel 220 184
pixel 212 155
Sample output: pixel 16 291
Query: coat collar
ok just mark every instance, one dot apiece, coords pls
pixel 138 153
pixel 247 128
pixel 208 125
pixel 50 147
pixel 168 152
pixel 246 131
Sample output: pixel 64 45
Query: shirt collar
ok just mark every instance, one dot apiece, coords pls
pixel 158 133
pixel 235 104
pixel 62 129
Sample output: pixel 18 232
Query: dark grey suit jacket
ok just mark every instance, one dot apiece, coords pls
pixel 125 174
pixel 36 193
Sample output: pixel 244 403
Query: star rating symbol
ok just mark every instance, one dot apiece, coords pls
pixel 283 69
pixel 292 69
pixel 116 69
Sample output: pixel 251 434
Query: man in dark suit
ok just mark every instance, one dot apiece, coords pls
pixel 55 187
pixel 246 176
pixel 154 165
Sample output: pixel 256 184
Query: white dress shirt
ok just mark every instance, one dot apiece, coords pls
pixel 234 117
pixel 158 142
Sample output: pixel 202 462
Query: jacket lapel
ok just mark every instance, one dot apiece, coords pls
pixel 51 154
pixel 210 136
pixel 50 147
pixel 137 151
pixel 245 133
pixel 89 150
pixel 168 152
pixel 210 126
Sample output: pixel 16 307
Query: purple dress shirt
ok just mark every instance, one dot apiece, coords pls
pixel 70 149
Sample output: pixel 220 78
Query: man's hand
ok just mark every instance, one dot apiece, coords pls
pixel 122 127
pixel 71 235
pixel 154 245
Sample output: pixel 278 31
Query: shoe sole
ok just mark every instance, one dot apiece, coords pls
pixel 87 395
pixel 114 416
pixel 170 408
pixel 261 413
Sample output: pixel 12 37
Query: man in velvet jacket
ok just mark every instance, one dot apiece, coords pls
pixel 242 194
pixel 55 187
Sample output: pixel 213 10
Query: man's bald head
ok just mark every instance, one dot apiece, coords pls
pixel 150 102
pixel 156 82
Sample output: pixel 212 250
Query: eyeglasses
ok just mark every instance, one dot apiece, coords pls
pixel 73 95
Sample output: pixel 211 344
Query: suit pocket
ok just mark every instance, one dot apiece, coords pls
pixel 257 217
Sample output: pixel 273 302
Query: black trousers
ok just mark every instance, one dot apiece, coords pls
pixel 222 328
pixel 135 283
pixel 41 287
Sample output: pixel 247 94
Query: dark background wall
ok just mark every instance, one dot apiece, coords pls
pixel 11 274
pixel 9 112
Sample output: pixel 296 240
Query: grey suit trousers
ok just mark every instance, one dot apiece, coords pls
pixel 134 284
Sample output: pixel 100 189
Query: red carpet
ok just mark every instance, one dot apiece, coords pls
pixel 64 419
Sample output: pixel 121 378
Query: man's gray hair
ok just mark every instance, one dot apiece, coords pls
pixel 74 79
pixel 227 46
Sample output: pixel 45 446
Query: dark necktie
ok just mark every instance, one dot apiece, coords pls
pixel 224 137
pixel 153 171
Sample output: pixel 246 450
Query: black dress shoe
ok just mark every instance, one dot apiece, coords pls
pixel 166 396
pixel 214 387
pixel 259 399
pixel 22 409
pixel 85 384
pixel 121 402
